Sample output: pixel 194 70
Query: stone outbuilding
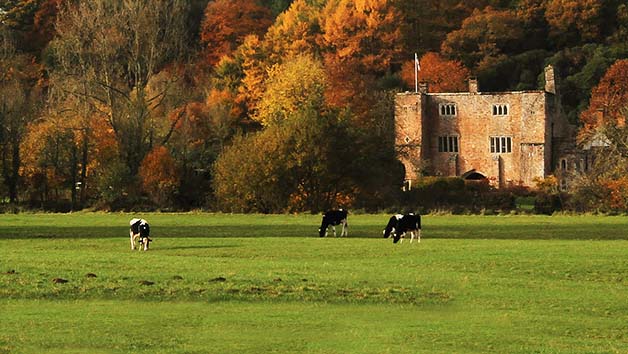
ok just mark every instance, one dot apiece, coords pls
pixel 505 137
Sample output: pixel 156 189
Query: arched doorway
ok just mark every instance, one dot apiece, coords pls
pixel 473 175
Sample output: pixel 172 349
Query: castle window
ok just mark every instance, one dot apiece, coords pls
pixel 447 144
pixel 501 144
pixel 500 110
pixel 447 110
pixel 563 165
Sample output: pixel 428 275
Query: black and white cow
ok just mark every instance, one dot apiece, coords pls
pixel 399 224
pixel 140 231
pixel 333 218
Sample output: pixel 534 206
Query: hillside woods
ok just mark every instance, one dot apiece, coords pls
pixel 275 106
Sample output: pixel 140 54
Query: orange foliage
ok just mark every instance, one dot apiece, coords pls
pixel 294 31
pixel 159 175
pixel 255 73
pixel 581 16
pixel 361 39
pixel 618 191
pixel 343 83
pixel 442 75
pixel 484 37
pixel 227 22
pixel 44 22
pixel 105 143
pixel 609 100
pixel 366 30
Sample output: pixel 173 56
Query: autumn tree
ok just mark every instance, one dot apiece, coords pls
pixel 604 123
pixel 298 83
pixel 574 20
pixel 295 162
pixel 424 24
pixel 158 174
pixel 534 24
pixel 228 22
pixel 202 130
pixel 51 163
pixel 484 38
pixel 255 65
pixel 294 31
pixel 32 20
pixel 620 34
pixel 609 103
pixel 442 75
pixel 19 102
pixel 107 53
pixel 361 40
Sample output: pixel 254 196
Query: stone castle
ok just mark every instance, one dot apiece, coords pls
pixel 505 137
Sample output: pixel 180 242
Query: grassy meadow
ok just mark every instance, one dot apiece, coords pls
pixel 221 283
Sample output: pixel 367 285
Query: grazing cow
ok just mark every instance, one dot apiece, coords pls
pixel 392 224
pixel 333 218
pixel 140 231
pixel 399 224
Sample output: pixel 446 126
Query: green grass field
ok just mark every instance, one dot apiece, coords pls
pixel 220 283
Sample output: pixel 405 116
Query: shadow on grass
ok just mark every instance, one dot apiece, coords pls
pixel 200 247
pixel 522 231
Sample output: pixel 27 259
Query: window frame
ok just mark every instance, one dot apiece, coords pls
pixel 501 144
pixel 449 144
pixel 501 109
pixel 447 110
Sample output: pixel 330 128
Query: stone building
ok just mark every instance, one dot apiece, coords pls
pixel 505 137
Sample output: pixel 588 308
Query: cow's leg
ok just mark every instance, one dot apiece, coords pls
pixel 411 236
pixel 145 244
pixel 132 241
pixel 334 228
pixel 419 235
pixel 345 228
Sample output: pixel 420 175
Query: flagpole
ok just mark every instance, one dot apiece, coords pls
pixel 416 74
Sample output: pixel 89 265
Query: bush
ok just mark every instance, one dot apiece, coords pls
pixel 546 203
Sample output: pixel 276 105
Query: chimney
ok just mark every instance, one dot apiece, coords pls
pixel 423 87
pixel 599 117
pixel 550 82
pixel 473 85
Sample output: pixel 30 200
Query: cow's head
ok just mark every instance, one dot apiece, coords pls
pixel 389 232
pixel 390 227
pixel 324 225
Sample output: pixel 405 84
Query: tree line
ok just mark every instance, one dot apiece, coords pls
pixel 272 106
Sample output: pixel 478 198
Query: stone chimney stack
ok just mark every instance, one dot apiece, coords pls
pixel 550 81
pixel 473 85
pixel 423 87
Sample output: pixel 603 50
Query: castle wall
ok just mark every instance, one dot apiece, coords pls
pixel 409 132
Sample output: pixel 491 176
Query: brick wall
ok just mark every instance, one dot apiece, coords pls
pixel 527 123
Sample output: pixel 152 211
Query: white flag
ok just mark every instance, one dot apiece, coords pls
pixel 416 62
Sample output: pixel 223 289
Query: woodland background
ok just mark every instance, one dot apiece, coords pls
pixel 284 106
